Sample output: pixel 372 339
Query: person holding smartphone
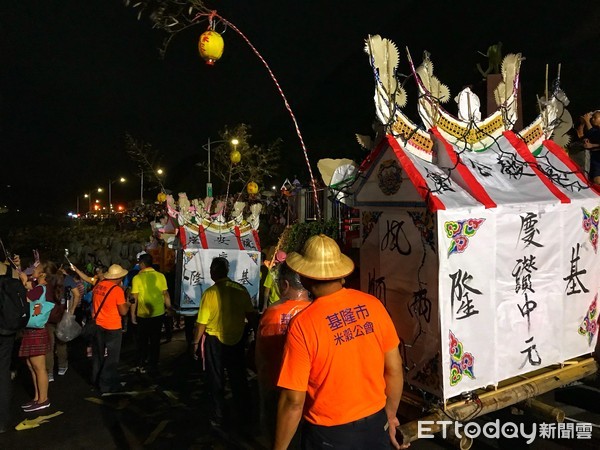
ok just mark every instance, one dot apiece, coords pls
pixel 36 342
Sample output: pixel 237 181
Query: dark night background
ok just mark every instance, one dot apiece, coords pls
pixel 76 75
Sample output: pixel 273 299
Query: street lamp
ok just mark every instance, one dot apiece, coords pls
pixel 78 197
pixel 89 197
pixel 206 147
pixel 110 183
pixel 156 172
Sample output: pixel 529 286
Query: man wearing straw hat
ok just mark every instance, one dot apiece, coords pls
pixel 109 305
pixel 341 368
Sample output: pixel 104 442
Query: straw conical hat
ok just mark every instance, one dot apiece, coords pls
pixel 321 259
pixel 115 272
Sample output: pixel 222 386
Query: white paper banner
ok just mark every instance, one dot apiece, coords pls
pixel 518 290
pixel 399 266
pixel 467 310
pixel 244 267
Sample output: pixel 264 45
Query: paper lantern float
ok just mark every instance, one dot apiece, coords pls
pixel 210 46
pixel 442 190
pixel 161 197
pixel 252 188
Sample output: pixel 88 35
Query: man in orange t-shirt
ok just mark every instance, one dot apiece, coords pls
pixel 270 340
pixel 341 366
pixel 109 305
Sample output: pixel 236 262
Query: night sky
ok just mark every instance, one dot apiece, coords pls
pixel 76 75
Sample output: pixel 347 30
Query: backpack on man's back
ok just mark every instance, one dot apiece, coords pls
pixel 14 308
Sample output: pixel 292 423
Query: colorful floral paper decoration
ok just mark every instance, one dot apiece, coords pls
pixel 589 326
pixel 461 363
pixel 590 225
pixel 460 232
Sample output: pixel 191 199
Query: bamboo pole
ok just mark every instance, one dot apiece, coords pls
pixel 546 84
pixel 543 411
pixel 501 398
pixel 462 443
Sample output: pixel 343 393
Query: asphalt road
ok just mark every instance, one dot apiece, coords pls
pixel 171 411
pixel 166 412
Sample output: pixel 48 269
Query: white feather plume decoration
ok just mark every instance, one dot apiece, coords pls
pixel 401 98
pixel 437 89
pixel 563 122
pixel 364 141
pixel 511 65
pixel 385 58
pixel 440 91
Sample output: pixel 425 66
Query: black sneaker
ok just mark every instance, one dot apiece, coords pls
pixel 29 404
pixel 37 406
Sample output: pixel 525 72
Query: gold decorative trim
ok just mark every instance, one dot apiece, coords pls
pixel 470 135
pixel 533 134
pixel 226 227
pixel 414 137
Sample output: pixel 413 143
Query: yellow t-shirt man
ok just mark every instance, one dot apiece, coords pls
pixel 223 310
pixel 149 285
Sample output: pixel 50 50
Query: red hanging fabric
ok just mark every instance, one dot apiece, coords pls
pixel 238 236
pixel 256 239
pixel 182 237
pixel 202 236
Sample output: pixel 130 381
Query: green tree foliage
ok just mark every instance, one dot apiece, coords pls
pixel 258 163
pixel 298 234
pixel 171 16
pixel 146 157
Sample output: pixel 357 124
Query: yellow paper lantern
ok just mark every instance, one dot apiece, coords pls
pixel 210 46
pixel 252 188
pixel 161 197
pixel 235 157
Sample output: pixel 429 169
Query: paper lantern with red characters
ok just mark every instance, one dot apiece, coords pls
pixel 210 46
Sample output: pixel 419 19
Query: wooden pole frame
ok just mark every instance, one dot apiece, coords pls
pixel 510 392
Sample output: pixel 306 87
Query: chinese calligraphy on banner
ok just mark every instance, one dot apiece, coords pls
pixel 480 295
pixel 521 297
pixel 244 267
